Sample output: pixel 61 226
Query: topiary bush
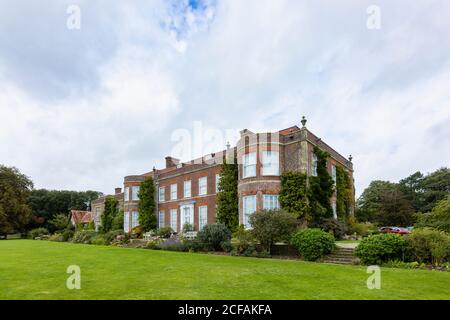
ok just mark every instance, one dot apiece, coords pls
pixel 37 233
pixel 214 236
pixel 313 243
pixel 428 246
pixel 380 248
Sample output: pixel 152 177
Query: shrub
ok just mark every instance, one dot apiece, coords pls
pixel 98 240
pixel 187 227
pixel 37 233
pixel 270 226
pixel 110 236
pixel 213 236
pixel 313 243
pixel 67 235
pixel 331 225
pixel 56 237
pixel 164 232
pixel 361 229
pixel 428 246
pixel 244 240
pixel 153 244
pixel 380 248
pixel 401 264
pixel 83 236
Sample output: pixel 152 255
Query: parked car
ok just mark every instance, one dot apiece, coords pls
pixel 396 230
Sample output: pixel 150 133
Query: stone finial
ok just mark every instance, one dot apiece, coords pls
pixel 228 145
pixel 350 158
pixel 303 121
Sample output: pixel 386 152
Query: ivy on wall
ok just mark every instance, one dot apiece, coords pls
pixel 309 196
pixel 147 205
pixel 321 188
pixel 227 197
pixel 294 194
pixel 344 202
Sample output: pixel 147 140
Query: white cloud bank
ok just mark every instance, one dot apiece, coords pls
pixel 84 120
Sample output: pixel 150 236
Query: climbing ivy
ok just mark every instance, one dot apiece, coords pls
pixel 227 197
pixel 321 188
pixel 344 202
pixel 294 194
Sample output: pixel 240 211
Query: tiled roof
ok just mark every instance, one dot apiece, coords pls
pixel 78 216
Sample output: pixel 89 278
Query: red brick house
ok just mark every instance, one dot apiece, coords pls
pixel 186 192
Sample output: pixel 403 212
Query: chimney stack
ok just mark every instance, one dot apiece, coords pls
pixel 171 162
pixel 117 190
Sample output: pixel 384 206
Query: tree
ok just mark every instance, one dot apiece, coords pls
pixel 270 226
pixel 425 191
pixel 435 186
pixel 438 218
pixel 227 197
pixel 384 203
pixel 294 194
pixel 321 188
pixel 110 212
pixel 146 205
pixel 59 222
pixel 46 204
pixel 14 189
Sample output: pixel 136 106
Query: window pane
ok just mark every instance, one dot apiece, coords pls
pixel 126 194
pixel 270 163
pixel 202 186
pixel 187 189
pixel 161 219
pixel 173 192
pixel 249 165
pixel 134 193
pixel 173 219
pixel 203 213
pixel 161 194
pixel 249 207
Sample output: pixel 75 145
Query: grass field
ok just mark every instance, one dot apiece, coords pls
pixel 37 270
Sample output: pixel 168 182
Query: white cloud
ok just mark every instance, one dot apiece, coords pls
pixel 381 95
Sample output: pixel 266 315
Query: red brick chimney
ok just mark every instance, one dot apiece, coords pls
pixel 171 162
pixel 117 190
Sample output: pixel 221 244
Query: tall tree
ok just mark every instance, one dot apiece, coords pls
pixel 14 190
pixel 384 203
pixel 109 214
pixel 438 218
pixel 435 187
pixel 146 205
pixel 227 197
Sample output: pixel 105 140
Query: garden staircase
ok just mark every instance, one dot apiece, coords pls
pixel 341 255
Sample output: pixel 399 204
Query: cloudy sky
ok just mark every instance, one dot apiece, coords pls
pixel 81 108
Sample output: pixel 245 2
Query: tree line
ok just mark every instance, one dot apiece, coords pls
pixel 23 208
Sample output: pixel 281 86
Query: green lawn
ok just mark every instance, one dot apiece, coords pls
pixel 37 270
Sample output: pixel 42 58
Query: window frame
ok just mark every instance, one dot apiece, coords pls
pixel 161 214
pixel 200 187
pixel 202 210
pixel 162 195
pixel 174 223
pixel 269 166
pixel 185 183
pixel 271 199
pixel 246 165
pixel 174 191
pixel 245 213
